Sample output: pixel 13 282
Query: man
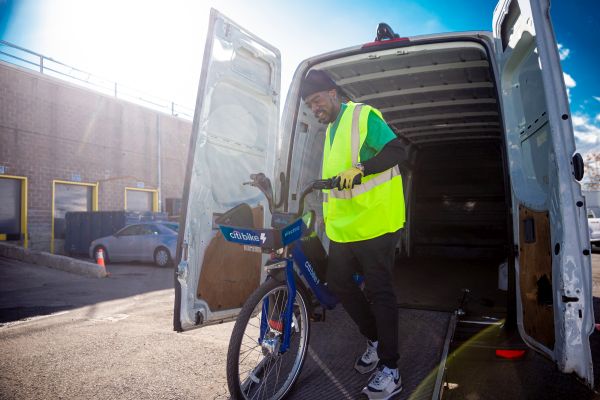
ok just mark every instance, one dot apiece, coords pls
pixel 362 222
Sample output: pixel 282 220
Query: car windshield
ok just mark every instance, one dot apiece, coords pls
pixel 173 226
pixel 160 228
pixel 128 230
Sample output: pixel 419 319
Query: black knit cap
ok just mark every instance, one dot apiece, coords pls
pixel 316 81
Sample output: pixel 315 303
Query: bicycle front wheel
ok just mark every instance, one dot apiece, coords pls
pixel 256 366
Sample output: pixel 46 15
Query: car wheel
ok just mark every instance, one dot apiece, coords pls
pixel 162 257
pixel 104 254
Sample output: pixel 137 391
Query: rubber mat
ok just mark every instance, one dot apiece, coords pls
pixel 335 344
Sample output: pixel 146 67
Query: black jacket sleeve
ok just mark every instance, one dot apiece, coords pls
pixel 393 153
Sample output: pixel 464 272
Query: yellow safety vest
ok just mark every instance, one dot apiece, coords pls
pixel 371 209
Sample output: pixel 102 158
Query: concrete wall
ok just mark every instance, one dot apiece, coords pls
pixel 51 129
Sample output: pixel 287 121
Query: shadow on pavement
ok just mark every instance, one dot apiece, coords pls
pixel 31 290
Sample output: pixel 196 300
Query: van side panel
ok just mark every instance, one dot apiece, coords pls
pixel 535 277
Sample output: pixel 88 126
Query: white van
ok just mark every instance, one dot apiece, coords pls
pixel 494 177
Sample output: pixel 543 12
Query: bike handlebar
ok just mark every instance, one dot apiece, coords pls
pixel 320 184
pixel 263 183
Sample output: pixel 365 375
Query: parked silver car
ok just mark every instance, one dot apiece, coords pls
pixel 150 241
pixel 593 214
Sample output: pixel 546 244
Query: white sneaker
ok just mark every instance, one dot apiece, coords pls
pixel 384 383
pixel 369 359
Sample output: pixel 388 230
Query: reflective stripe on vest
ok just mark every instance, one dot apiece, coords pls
pixel 374 207
pixel 383 177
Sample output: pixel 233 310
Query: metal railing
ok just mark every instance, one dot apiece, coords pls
pixel 20 56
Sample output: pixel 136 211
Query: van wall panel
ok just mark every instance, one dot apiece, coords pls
pixel 459 203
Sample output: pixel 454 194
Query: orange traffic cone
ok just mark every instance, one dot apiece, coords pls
pixel 100 260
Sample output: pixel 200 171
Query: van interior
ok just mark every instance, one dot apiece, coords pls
pixel 441 101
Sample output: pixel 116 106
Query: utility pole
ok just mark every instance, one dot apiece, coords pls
pixel 159 162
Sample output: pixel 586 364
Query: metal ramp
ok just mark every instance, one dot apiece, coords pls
pixel 334 345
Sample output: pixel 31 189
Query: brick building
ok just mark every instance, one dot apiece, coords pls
pixel 64 147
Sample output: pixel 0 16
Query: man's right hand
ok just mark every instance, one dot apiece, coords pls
pixel 347 178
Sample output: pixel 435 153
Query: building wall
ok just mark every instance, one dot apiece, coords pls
pixel 592 198
pixel 54 130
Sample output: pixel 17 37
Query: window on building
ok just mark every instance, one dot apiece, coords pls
pixel 140 200
pixel 11 212
pixel 70 197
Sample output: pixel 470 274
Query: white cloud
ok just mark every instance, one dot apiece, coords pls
pixel 569 83
pixel 563 52
pixel 587 133
pixel 596 97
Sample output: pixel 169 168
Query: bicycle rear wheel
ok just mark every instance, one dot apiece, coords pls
pixel 256 369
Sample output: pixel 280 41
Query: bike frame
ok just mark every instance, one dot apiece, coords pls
pixel 303 268
pixel 287 239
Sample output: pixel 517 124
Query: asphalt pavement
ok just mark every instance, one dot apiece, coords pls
pixel 65 336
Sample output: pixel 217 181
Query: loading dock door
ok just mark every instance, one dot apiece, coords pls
pixel 11 212
pixel 70 196
pixel 141 199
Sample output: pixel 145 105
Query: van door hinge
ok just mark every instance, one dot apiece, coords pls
pixel 182 270
pixel 182 267
pixel 184 250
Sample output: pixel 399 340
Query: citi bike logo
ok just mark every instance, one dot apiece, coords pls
pixel 248 236
pixel 312 272
pixel 291 231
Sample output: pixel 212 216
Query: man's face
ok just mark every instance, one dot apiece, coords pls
pixel 324 105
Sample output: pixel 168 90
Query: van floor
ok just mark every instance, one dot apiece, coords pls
pixel 438 283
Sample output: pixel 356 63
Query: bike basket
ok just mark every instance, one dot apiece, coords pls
pixel 263 238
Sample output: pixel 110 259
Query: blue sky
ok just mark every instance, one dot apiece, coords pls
pixel 157 46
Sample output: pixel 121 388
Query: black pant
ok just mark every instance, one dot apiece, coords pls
pixel 376 314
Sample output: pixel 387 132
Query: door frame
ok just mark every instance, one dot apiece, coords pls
pixel 94 187
pixel 154 197
pixel 24 183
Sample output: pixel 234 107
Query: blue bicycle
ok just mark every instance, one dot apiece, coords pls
pixel 268 344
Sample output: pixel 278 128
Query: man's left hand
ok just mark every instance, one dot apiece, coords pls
pixel 347 178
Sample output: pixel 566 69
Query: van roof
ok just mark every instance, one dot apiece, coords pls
pixel 430 89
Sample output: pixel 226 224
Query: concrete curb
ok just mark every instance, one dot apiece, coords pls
pixel 55 261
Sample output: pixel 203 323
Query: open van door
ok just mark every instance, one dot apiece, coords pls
pixel 234 134
pixel 552 263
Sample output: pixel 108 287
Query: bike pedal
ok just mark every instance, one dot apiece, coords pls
pixel 318 316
